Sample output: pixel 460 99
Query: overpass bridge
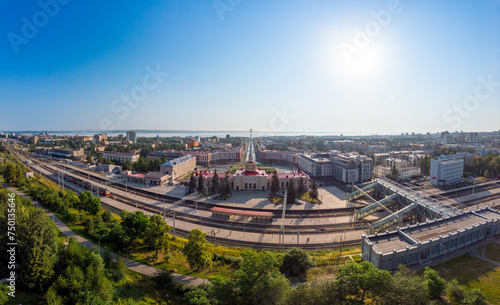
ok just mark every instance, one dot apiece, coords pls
pixel 397 195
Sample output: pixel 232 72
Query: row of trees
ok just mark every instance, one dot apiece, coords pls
pixel 68 274
pixel 294 191
pixel 259 281
pixel 487 166
pixel 144 165
pixel 221 187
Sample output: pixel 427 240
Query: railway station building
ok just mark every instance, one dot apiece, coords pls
pixel 420 243
pixel 254 178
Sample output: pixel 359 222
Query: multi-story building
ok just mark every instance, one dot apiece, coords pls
pixel 446 171
pixel 100 137
pixel 318 165
pixel 379 158
pixel 120 157
pixel 352 168
pixel 397 163
pixel 445 137
pixel 170 154
pixel 179 167
pixel 131 136
pixel 62 153
pixel 271 156
pixel 467 157
pixel 473 137
pixel 403 173
pixel 230 155
pixel 193 143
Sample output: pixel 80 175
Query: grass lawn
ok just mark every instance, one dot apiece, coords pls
pixel 491 251
pixel 474 273
pixel 276 198
pixel 307 197
pixel 141 289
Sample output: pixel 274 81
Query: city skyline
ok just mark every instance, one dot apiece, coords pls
pixel 383 67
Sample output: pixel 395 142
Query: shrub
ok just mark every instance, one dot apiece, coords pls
pixel 435 283
pixel 455 291
pixel 296 262
pixel 163 280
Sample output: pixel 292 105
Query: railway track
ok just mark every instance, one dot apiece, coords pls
pixel 223 241
pixel 237 226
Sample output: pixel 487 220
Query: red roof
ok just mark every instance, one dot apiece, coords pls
pixel 241 212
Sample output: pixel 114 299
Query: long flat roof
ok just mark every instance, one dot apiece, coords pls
pixel 387 242
pixel 242 212
pixel 434 229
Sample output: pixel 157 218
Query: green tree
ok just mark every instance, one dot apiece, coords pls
pixel 99 157
pixel 486 174
pixel 435 283
pixel 4 293
pixel 314 190
pixel 275 184
pixel 192 184
pixel 322 293
pixel 455 291
pixel 89 157
pixel 94 206
pixel 226 186
pixel 296 262
pixel 127 165
pixel 200 182
pixel 290 197
pixel 363 279
pixel 157 233
pixel 394 175
pixel 37 246
pixel 12 173
pixel 197 250
pixel 407 288
pixel 136 223
pixel 83 279
pixel 301 187
pixel 215 183
pixel 474 297
pixel 259 278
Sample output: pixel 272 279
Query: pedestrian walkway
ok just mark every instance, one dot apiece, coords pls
pixel 131 264
pixel 473 252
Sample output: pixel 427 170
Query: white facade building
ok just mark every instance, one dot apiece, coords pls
pixel 444 172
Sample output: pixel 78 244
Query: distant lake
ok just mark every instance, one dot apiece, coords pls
pixel 186 133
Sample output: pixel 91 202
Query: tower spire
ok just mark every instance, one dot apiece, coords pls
pixel 250 146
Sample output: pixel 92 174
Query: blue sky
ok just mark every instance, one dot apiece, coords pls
pixel 318 66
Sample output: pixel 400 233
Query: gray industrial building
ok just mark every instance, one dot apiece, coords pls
pixel 418 244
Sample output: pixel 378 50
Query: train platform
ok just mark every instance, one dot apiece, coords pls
pixel 235 233
pixel 330 196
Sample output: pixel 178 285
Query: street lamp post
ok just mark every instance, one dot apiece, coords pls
pixel 204 271
pixel 53 215
pixel 99 242
pixel 315 272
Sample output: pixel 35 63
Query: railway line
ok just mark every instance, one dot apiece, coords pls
pixel 221 224
pixel 218 223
